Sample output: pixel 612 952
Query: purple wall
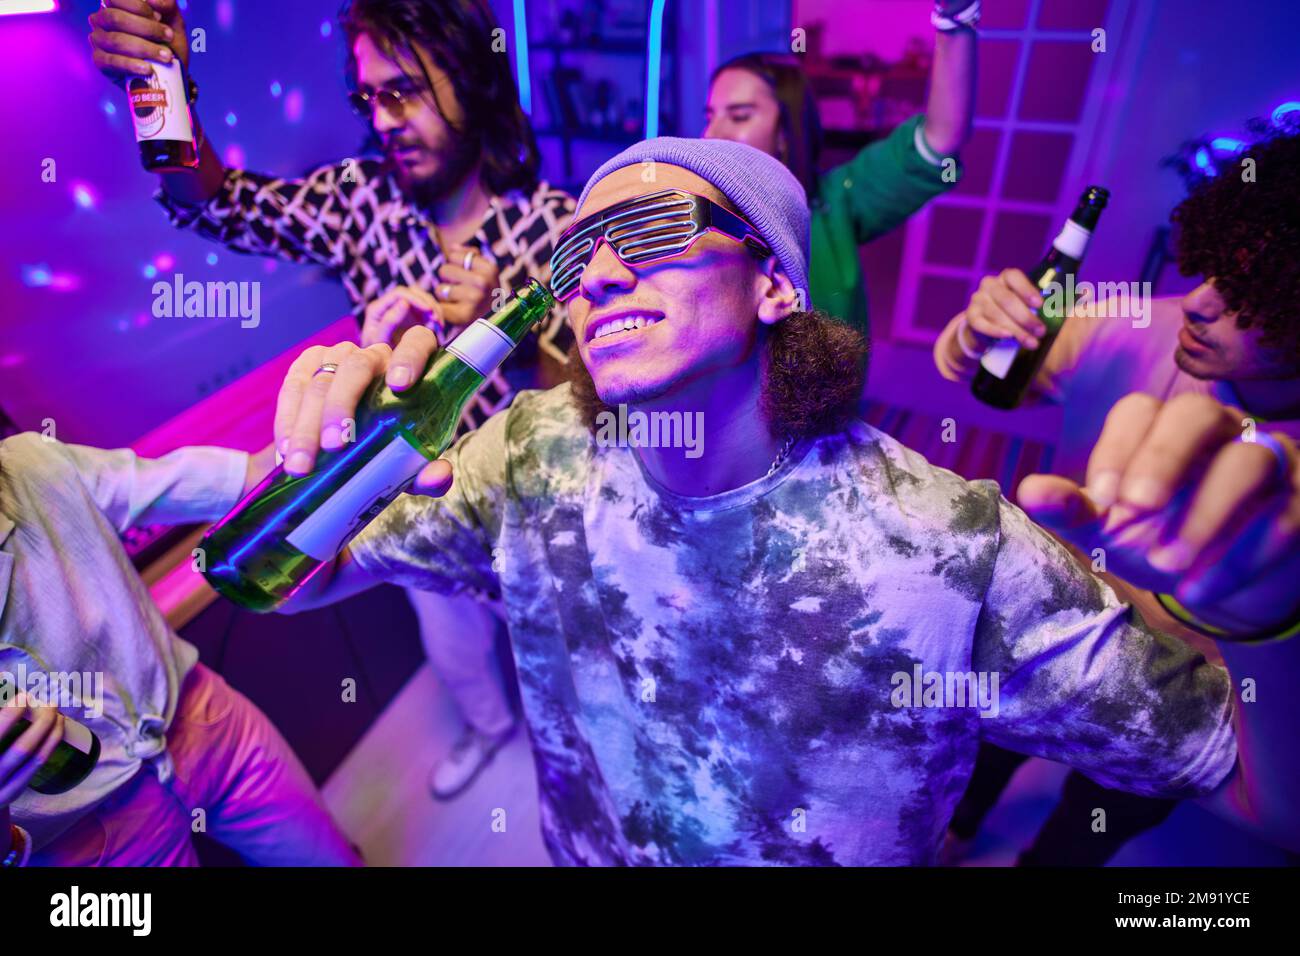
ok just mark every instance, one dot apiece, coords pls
pixel 78 342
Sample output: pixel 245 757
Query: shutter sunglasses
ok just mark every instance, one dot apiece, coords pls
pixel 651 228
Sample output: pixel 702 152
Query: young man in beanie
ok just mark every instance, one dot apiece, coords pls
pixel 745 651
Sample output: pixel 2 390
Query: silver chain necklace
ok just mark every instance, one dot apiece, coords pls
pixel 781 456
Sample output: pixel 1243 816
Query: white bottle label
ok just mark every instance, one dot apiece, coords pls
pixel 1072 240
pixel 482 347
pixel 78 735
pixel 159 107
pixel 997 360
pixel 332 525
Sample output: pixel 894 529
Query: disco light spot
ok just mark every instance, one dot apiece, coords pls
pixel 231 119
pixel 36 277
pixel 41 276
pixel 164 261
pixel 234 156
pixel 326 28
pixel 293 105
pixel 150 271
pixel 211 259
pixel 82 195
pixel 109 107
pixel 225 14
pixel 276 88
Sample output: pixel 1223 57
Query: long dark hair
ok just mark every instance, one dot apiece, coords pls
pixel 799 119
pixel 459 36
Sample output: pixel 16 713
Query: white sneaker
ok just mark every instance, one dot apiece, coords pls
pixel 469 755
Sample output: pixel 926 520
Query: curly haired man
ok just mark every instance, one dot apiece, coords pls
pixel 1235 337
pixel 709 647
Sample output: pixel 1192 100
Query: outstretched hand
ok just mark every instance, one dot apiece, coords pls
pixel 1184 497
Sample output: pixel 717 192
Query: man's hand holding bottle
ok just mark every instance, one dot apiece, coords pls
pixel 127 34
pixel 314 405
pixel 25 756
pixel 1003 307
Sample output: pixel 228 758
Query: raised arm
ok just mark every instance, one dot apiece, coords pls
pixel 890 179
pixel 299 218
pixel 125 36
pixel 950 107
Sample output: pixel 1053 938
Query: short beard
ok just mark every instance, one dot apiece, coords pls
pixel 1187 366
pixel 452 171
pixel 814 370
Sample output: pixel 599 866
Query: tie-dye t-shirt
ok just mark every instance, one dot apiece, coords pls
pixel 727 680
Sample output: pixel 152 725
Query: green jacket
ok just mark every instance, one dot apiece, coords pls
pixel 864 198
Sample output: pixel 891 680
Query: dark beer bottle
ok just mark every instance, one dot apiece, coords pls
pixel 1007 368
pixel 160 111
pixel 72 760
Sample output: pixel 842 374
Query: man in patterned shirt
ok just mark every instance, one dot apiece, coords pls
pixel 743 650
pixel 427 234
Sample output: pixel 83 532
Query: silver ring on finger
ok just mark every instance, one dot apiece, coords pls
pixel 1282 472
pixel 326 367
pixel 444 292
pixel 469 260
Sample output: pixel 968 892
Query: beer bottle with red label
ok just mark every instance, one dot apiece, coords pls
pixel 164 127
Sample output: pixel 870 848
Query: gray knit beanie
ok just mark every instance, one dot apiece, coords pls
pixel 759 185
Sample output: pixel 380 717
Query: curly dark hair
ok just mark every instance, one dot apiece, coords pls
pixel 1246 236
pixel 814 368
pixel 458 34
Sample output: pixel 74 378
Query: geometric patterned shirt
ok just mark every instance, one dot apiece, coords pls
pixel 351 218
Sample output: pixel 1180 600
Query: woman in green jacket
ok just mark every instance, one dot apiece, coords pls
pixel 765 100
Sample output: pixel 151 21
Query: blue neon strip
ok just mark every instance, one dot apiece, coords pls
pixel 1227 144
pixel 654 51
pixel 521 57
pixel 308 487
pixel 1280 113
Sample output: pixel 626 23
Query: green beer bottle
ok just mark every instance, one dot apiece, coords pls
pixel 288 527
pixel 73 758
pixel 1007 368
